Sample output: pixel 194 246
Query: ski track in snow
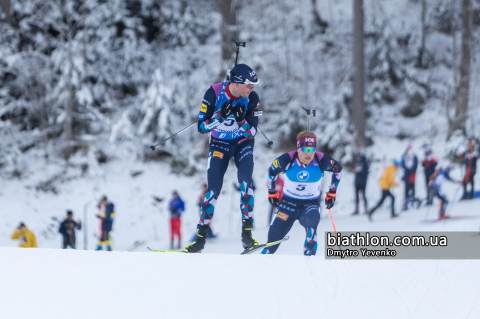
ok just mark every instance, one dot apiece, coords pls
pixel 437 266
pixel 394 288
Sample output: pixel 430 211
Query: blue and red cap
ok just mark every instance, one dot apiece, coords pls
pixel 308 141
pixel 243 74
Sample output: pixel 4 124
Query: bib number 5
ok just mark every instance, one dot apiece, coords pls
pixel 228 122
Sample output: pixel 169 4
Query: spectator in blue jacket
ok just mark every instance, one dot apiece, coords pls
pixel 176 207
pixel 106 215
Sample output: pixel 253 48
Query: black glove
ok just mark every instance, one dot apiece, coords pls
pixel 239 112
pixel 226 110
pixel 273 198
pixel 330 198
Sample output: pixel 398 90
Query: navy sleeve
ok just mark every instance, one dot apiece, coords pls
pixel 447 176
pixel 207 121
pixel 366 168
pixel 473 170
pixel 402 161
pixel 248 126
pixel 278 166
pixel 329 164
pixel 62 230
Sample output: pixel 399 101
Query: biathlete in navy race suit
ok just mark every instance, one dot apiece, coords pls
pixel 304 169
pixel 228 113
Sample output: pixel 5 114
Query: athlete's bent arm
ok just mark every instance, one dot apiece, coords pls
pixel 331 165
pixel 278 166
pixel 207 121
pixel 248 126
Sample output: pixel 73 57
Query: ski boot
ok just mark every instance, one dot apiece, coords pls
pixel 199 243
pixel 247 239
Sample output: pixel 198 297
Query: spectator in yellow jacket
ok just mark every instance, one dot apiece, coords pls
pixel 387 181
pixel 26 237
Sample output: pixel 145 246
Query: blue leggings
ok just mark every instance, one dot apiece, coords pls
pixel 218 159
pixel 308 215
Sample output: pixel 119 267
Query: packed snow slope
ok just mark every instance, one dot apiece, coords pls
pixel 220 283
pixel 52 283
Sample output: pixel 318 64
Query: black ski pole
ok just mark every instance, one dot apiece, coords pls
pixel 449 208
pixel 269 142
pixel 153 146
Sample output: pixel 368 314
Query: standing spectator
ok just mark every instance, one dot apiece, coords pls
pixel 106 214
pixel 177 207
pixel 409 164
pixel 361 174
pixel 27 238
pixel 470 159
pixel 429 163
pixel 199 204
pixel 387 181
pixel 67 229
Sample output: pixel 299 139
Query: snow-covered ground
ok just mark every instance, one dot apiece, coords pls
pixel 51 283
pixel 219 283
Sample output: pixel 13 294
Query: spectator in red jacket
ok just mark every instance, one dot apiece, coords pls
pixel 409 164
pixel 176 207
pixel 470 160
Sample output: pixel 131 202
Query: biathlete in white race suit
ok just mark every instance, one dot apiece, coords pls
pixel 304 169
